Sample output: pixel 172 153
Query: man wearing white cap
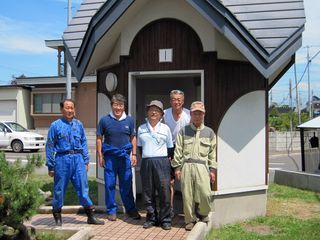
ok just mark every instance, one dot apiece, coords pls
pixel 154 142
pixel 195 164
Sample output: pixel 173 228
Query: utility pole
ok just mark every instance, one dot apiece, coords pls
pixel 68 83
pixel 297 94
pixel 291 120
pixel 309 95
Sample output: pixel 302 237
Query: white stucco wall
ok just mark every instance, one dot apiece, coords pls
pixel 241 145
pixel 22 98
pixel 104 108
pixel 211 39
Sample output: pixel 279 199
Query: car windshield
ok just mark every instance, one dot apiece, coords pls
pixel 16 127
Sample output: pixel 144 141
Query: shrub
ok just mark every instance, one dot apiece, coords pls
pixel 19 196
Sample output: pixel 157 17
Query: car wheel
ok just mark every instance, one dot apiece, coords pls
pixel 17 146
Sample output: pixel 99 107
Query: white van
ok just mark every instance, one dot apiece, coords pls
pixel 16 137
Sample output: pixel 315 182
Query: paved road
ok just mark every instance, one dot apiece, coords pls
pixel 277 160
pixel 285 161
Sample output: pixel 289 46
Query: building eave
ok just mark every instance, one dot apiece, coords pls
pixel 265 59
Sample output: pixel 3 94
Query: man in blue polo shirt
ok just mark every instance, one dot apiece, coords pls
pixel 117 132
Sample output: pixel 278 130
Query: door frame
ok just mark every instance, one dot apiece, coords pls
pixel 132 78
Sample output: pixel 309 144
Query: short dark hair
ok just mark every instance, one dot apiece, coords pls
pixel 67 100
pixel 119 98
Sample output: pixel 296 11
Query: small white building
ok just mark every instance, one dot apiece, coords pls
pixel 228 53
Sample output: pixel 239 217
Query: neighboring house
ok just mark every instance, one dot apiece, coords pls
pixel 228 53
pixel 46 93
pixel 315 106
pixel 42 96
pixel 15 105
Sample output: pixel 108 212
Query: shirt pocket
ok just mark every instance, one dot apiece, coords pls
pixel 204 147
pixel 77 140
pixel 187 148
pixel 62 138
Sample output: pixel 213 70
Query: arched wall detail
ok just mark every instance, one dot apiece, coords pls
pixel 241 144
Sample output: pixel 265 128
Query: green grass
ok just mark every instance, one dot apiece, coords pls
pixel 46 184
pixel 283 220
pixel 280 192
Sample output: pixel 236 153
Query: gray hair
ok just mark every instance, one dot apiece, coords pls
pixel 176 92
pixel 118 98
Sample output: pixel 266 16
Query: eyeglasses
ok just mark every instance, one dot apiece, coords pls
pixel 119 105
pixel 154 110
pixel 176 100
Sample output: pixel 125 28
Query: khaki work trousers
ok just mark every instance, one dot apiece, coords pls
pixel 196 191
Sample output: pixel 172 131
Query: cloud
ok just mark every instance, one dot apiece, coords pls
pixel 310 36
pixel 21 37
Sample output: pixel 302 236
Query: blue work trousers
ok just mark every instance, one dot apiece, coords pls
pixel 121 167
pixel 70 167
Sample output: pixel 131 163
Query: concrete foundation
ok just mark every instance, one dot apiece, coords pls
pixel 235 207
pixel 300 180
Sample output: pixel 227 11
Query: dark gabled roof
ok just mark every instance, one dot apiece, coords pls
pixel 267 33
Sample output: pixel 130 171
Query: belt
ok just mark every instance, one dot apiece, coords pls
pixel 70 152
pixel 190 160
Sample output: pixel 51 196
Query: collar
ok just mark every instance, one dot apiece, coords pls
pixel 150 127
pixel 66 121
pixel 195 128
pixel 124 115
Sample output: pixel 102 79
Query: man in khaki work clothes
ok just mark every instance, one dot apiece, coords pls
pixel 195 164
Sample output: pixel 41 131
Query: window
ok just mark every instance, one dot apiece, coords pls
pixel 47 102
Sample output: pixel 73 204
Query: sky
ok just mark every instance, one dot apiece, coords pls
pixel 26 24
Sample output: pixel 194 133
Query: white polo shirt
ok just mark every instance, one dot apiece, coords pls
pixel 154 142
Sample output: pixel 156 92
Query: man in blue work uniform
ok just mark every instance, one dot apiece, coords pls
pixel 68 159
pixel 119 135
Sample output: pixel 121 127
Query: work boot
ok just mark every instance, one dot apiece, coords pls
pixel 91 218
pixel 57 216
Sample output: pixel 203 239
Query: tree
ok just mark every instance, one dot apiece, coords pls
pixel 281 122
pixel 19 196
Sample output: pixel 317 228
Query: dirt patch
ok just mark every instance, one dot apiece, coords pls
pixel 297 209
pixel 260 229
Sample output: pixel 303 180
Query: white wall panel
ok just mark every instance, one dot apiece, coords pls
pixel 241 144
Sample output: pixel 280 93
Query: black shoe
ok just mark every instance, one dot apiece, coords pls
pixel 134 215
pixel 166 226
pixel 148 224
pixel 91 218
pixel 57 217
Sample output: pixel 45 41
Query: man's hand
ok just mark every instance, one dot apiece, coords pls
pixel 133 160
pixel 178 174
pixel 212 176
pixel 51 173
pixel 87 167
pixel 101 160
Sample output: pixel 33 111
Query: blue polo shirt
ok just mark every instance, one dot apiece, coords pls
pixel 154 142
pixel 116 132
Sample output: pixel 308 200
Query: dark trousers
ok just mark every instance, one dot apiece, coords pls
pixel 155 177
